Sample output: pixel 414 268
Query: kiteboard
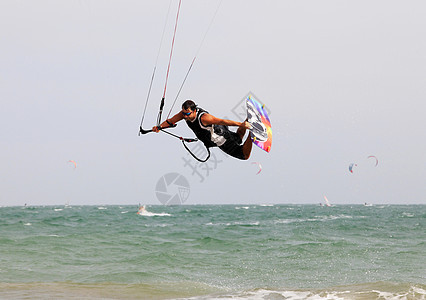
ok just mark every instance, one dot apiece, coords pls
pixel 260 131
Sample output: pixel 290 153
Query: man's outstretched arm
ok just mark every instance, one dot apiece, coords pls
pixel 208 119
pixel 169 122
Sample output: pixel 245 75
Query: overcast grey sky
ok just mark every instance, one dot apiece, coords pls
pixel 343 80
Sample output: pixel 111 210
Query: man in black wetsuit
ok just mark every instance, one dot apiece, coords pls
pixel 212 131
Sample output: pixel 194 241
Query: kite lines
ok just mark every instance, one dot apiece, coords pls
pixel 163 98
pixel 155 68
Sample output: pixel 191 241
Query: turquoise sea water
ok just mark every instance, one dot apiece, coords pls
pixel 213 252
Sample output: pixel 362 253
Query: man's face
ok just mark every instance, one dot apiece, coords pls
pixel 188 114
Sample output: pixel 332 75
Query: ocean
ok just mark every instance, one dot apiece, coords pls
pixel 213 252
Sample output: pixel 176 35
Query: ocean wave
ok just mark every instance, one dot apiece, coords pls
pixel 201 291
pixel 314 219
pixel 282 249
pixel 385 291
pixel 151 214
pixel 235 223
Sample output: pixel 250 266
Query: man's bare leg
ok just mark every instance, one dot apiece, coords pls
pixel 241 131
pixel 247 147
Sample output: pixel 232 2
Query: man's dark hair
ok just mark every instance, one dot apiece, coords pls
pixel 189 104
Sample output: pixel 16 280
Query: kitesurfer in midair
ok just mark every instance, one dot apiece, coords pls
pixel 212 131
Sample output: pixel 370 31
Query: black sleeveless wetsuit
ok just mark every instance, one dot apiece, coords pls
pixel 216 136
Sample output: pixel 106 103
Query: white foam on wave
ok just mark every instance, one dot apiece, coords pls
pixel 418 290
pixel 286 221
pixel 288 295
pixel 242 207
pixel 150 214
pixel 254 223
pixel 413 293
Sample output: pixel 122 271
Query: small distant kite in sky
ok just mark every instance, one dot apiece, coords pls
pixel 351 166
pixel 377 161
pixel 260 166
pixel 74 163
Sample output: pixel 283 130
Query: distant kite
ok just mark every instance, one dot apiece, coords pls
pixel 377 161
pixel 327 203
pixel 74 163
pixel 260 166
pixel 351 166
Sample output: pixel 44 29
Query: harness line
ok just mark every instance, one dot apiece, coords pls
pixel 189 140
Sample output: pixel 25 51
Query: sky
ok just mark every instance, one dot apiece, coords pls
pixel 342 80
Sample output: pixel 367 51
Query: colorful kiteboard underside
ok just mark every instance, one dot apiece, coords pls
pixel 261 131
